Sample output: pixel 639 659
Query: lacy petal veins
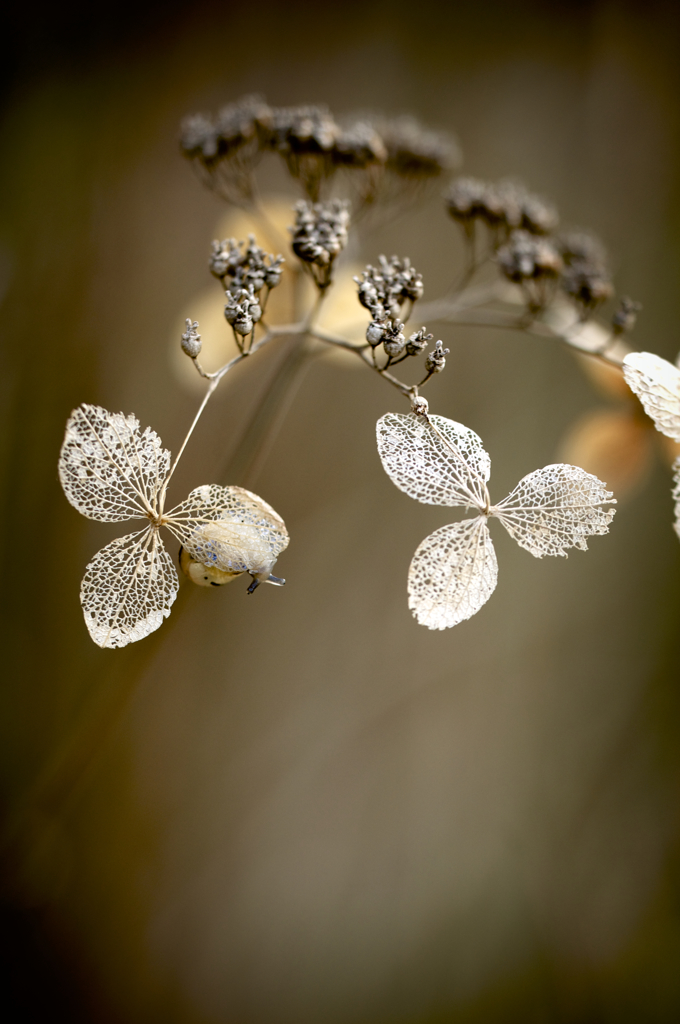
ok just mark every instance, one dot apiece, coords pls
pixel 656 382
pixel 440 462
pixel 113 473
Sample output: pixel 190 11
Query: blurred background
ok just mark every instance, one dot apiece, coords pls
pixel 303 807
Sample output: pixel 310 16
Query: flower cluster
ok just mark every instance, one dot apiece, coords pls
pixel 586 278
pixel 314 145
pixel 505 205
pixel 240 266
pixel 384 290
pixel 319 236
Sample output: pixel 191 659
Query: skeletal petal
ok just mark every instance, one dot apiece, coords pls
pixel 453 573
pixel 109 471
pixel 434 460
pixel 556 508
pixel 128 589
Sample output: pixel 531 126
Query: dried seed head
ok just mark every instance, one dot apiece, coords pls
pixel 385 289
pixel 418 342
pixel 526 257
pixel 506 203
pixel 375 331
pixel 227 148
pixel 244 269
pixel 414 151
pixel 359 146
pixel 319 235
pixel 586 277
pixel 419 405
pixel 435 361
pixel 191 340
pixel 394 341
pixel 625 316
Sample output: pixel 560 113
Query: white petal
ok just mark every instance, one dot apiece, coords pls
pixel 676 494
pixel 453 573
pixel 556 508
pixel 109 471
pixel 229 528
pixel 656 382
pixel 452 471
pixel 128 589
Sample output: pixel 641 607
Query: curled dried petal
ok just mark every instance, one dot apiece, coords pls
pixel 656 382
pixel 229 528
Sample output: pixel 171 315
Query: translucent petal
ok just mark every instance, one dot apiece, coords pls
pixel 128 589
pixel 229 528
pixel 109 471
pixel 676 494
pixel 452 471
pixel 453 573
pixel 656 382
pixel 556 508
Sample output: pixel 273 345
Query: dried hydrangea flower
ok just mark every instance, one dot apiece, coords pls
pixel 656 382
pixel 112 473
pixel 586 278
pixel 226 151
pixel 305 137
pixel 505 204
pixel 245 267
pixel 440 462
pixel 385 289
pixel 320 234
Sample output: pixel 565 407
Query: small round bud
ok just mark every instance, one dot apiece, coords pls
pixel 417 343
pixel 625 316
pixel 419 405
pixel 243 324
pixel 436 359
pixel 191 340
pixel 375 332
pixel 394 341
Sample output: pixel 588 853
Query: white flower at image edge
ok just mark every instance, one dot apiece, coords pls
pixel 656 382
pixel 113 473
pixel 440 462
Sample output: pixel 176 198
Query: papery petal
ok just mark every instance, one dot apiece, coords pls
pixel 556 508
pixel 453 573
pixel 229 528
pixel 109 471
pixel 656 382
pixel 128 589
pixel 453 471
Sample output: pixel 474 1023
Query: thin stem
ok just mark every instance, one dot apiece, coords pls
pixel 211 388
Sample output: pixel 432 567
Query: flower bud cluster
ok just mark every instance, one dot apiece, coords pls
pixel 527 257
pixel 319 236
pixel 505 204
pixel 242 312
pixel 383 290
pixel 625 316
pixel 586 278
pixel 414 151
pixel 191 340
pixel 241 269
pixel 436 359
pixel 312 144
